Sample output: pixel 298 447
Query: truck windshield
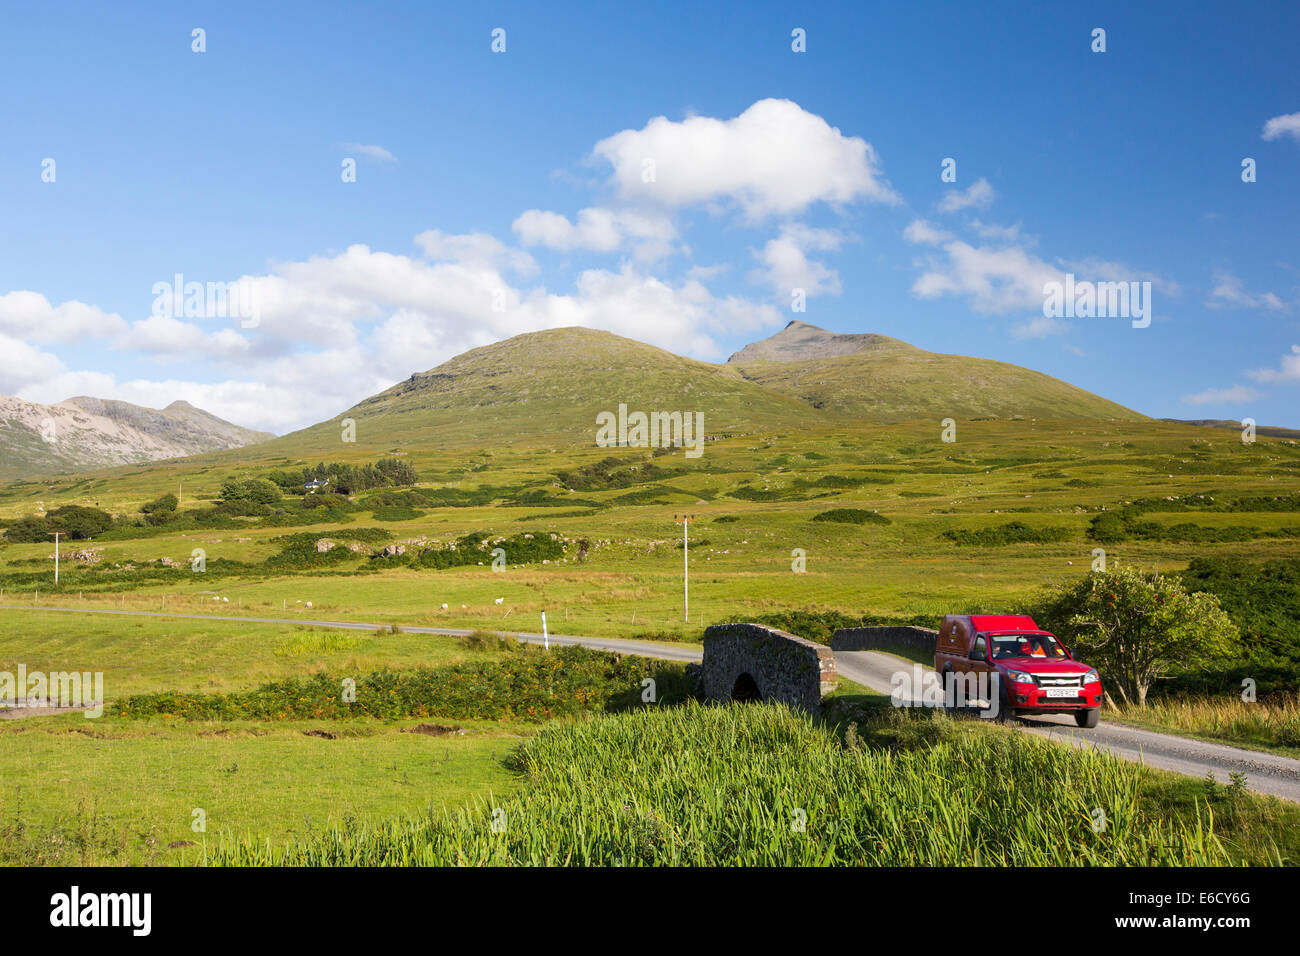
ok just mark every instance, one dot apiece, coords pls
pixel 1026 645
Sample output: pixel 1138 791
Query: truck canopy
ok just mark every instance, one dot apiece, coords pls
pixel 1015 623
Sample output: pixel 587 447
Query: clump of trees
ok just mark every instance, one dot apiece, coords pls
pixel 257 491
pixel 610 473
pixel 163 505
pixel 160 511
pixel 77 522
pixel 1137 627
pixel 347 479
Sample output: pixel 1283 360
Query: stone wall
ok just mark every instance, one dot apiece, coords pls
pixel 785 667
pixel 868 638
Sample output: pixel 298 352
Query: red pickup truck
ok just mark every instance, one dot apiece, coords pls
pixel 1036 672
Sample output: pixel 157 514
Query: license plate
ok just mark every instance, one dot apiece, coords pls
pixel 1062 691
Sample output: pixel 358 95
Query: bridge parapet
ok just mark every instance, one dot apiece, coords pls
pixel 868 638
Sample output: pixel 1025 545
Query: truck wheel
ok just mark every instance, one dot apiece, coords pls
pixel 1088 718
pixel 1006 713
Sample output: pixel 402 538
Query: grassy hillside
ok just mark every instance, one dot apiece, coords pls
pixel 898 382
pixel 547 387
pixel 540 393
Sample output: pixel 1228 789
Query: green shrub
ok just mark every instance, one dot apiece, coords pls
pixel 477 548
pixel 256 490
pixel 851 516
pixel 1013 532
pixel 533 686
pixel 76 522
pixel 164 505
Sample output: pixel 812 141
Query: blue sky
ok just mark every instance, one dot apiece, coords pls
pixel 498 193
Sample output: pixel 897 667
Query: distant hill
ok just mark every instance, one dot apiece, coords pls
pixel 87 433
pixel 801 342
pixel 1274 431
pixel 549 386
pixel 886 380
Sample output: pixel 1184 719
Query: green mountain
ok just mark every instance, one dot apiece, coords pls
pixel 545 389
pixel 549 386
pixel 884 380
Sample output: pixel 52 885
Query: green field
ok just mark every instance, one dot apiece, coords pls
pixel 1055 477
pixel 988 522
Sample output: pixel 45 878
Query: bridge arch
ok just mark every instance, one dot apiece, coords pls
pixel 756 662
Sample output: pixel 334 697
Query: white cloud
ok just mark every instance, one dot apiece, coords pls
pixel 786 265
pixel 682 318
pixel 476 248
pixel 1286 125
pixel 170 338
pixel 21 365
pixel 705 273
pixel 775 158
pixel 995 232
pixel 1006 278
pixel 1234 395
pixel 921 231
pixel 30 315
pixel 995 280
pixel 599 230
pixel 1229 293
pixel 372 152
pixel 978 196
pixel 1287 373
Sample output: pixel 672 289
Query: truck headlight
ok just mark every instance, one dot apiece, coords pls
pixel 1092 677
pixel 1019 677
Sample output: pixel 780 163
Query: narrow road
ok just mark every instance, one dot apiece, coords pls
pixel 1265 772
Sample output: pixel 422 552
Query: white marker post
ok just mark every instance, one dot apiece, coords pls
pixel 56 555
pixel 546 641
pixel 686 565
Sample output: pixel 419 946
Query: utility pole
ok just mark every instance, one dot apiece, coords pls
pixel 56 554
pixel 686 564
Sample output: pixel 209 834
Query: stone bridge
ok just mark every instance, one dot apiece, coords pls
pixel 754 662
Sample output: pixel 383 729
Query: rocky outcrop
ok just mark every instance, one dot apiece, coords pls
pixel 87 433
